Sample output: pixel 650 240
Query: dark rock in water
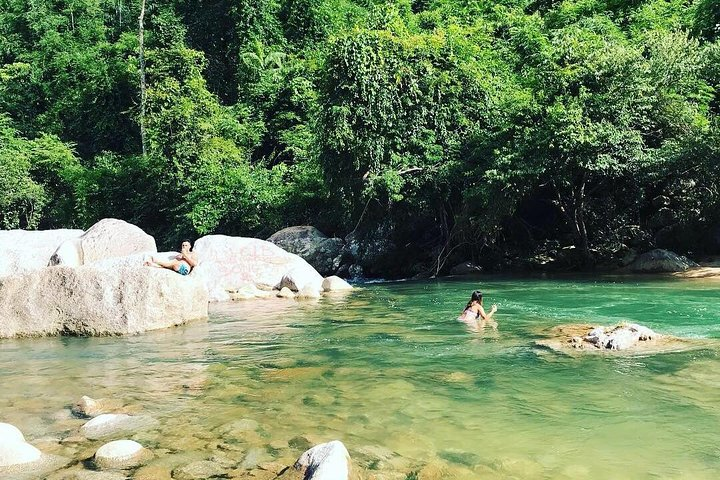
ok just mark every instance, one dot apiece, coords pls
pixel 458 456
pixel 323 253
pixel 465 268
pixel 660 261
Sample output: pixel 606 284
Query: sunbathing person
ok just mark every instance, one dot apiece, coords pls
pixel 183 263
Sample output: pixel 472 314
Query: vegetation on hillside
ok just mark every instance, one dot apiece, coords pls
pixel 491 130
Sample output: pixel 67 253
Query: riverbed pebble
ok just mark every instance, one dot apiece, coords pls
pixel 121 454
pixel 198 470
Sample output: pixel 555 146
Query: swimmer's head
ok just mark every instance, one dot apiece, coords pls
pixel 476 296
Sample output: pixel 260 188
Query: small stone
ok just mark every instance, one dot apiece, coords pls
pixel 335 284
pixel 121 454
pixel 285 292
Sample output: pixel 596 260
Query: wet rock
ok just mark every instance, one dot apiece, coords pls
pixel 113 424
pixel 285 293
pixel 76 474
pixel 153 472
pixel 29 250
pixel 121 454
pixel 88 407
pixel 238 429
pixel 327 461
pixel 109 237
pixel 308 293
pixel 658 261
pixel 335 284
pixel 198 471
pixel 253 457
pixel 459 457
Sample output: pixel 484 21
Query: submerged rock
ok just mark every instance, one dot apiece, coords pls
pixel 88 407
pixel 109 237
pixel 113 423
pixel 198 470
pixel 25 251
pixel 92 300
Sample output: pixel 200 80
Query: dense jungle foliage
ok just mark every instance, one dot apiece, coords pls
pixel 488 130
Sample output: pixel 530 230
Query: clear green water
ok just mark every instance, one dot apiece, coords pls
pixel 391 372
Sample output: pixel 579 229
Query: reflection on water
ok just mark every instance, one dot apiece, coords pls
pixel 390 372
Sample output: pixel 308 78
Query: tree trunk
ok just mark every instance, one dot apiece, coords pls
pixel 141 33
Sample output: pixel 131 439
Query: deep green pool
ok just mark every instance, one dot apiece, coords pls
pixel 391 372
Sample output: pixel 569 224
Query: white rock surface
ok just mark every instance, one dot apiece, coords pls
pixel 113 423
pixel 231 263
pixel 23 251
pixel 94 300
pixel 327 461
pixel 10 433
pixel 286 293
pixel 308 292
pixel 121 454
pixel 16 453
pixel 109 237
pixel 335 284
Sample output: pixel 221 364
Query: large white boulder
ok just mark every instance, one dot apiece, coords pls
pixel 98 300
pixel 23 251
pixel 109 237
pixel 231 263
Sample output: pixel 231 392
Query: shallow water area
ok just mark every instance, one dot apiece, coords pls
pixel 389 370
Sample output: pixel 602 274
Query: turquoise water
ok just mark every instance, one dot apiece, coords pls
pixel 390 371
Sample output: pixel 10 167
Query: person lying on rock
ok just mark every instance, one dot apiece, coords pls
pixel 183 263
pixel 474 313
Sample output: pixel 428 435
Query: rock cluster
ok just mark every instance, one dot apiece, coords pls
pixel 94 283
pixel 621 337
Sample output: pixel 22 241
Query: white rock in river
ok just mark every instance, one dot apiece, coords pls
pixel 10 433
pixel 113 423
pixel 15 453
pixel 121 454
pixel 109 237
pixel 335 284
pixel 327 461
pixel 230 263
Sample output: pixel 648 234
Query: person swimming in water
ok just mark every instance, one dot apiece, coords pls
pixel 474 313
pixel 183 263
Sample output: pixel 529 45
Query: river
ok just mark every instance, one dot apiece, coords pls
pixel 390 371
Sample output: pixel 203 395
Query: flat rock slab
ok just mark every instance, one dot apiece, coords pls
pixel 563 339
